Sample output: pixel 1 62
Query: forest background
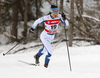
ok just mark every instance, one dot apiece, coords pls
pixel 17 17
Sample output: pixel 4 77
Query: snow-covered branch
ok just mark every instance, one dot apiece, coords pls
pixel 91 17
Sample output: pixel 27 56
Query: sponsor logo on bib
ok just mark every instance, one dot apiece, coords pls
pixel 52 22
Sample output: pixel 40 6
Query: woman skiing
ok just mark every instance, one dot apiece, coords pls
pixel 51 22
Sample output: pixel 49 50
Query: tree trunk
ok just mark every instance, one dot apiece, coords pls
pixel 25 19
pixel 56 2
pixel 37 15
pixel 61 6
pixel 20 7
pixel 14 21
pixel 99 37
pixel 72 20
pixel 81 4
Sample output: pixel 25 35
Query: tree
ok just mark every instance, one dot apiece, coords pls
pixel 38 14
pixel 88 23
pixel 72 20
pixel 81 4
pixel 61 5
pixel 57 2
pixel 25 18
pixel 14 21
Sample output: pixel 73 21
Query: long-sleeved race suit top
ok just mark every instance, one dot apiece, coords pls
pixel 51 24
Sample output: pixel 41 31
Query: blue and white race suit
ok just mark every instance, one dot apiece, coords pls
pixel 47 36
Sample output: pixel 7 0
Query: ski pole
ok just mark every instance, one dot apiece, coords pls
pixel 67 48
pixel 15 46
pixel 10 49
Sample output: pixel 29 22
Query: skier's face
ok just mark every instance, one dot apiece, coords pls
pixel 54 14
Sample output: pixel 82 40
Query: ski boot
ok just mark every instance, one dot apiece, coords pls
pixel 45 65
pixel 37 59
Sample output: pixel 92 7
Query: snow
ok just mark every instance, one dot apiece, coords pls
pixel 85 61
pixel 46 8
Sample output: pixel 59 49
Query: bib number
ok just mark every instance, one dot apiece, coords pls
pixel 53 27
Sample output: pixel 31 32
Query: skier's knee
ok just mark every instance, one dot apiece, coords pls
pixel 49 55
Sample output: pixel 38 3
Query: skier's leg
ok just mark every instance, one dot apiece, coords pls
pixel 49 49
pixel 47 40
pixel 37 56
pixel 41 51
pixel 47 59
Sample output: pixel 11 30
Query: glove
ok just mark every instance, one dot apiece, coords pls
pixel 31 30
pixel 63 15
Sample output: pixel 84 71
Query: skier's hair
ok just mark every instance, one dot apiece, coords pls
pixel 49 13
pixel 54 6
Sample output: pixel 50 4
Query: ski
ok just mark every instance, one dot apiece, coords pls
pixel 28 63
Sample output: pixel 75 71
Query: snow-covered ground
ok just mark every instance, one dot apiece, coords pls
pixel 85 62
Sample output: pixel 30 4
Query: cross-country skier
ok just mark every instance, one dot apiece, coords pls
pixel 51 22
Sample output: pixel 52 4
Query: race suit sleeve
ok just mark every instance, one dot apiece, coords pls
pixel 40 20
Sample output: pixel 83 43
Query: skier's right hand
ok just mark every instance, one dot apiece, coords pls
pixel 31 30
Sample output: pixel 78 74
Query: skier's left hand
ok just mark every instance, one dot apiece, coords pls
pixel 63 16
pixel 31 30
